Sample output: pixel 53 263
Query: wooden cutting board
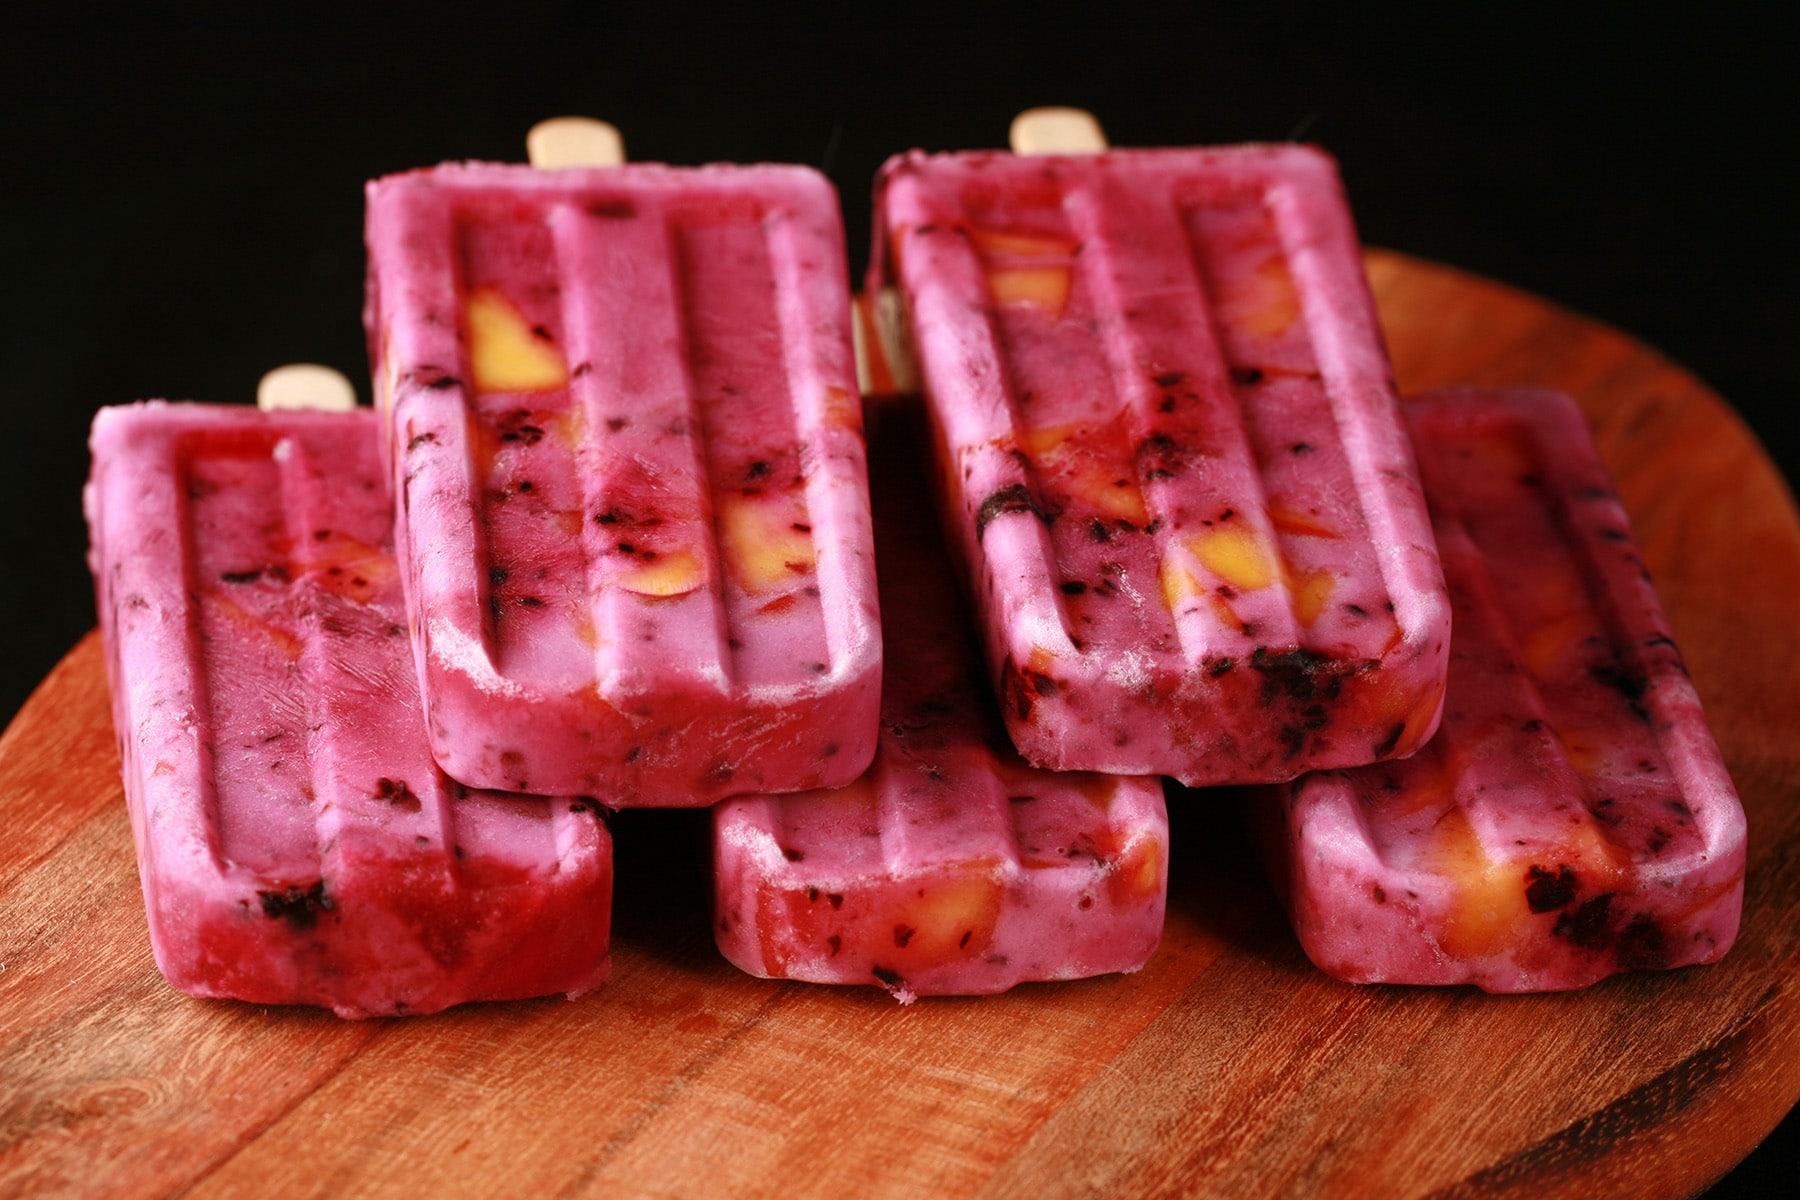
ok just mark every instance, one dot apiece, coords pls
pixel 1228 1066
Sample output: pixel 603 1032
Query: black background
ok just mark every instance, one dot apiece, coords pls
pixel 182 203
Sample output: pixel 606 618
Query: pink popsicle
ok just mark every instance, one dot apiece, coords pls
pixel 952 866
pixel 1173 460
pixel 295 842
pixel 633 504
pixel 1573 817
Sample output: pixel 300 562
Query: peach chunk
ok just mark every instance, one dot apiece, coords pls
pixel 669 573
pixel 764 539
pixel 1236 555
pixel 1311 591
pixel 285 644
pixel 1262 302
pixel 1026 268
pixel 346 566
pixel 1295 523
pixel 1488 907
pixel 505 353
pixel 1178 583
pixel 1138 875
pixel 1414 718
pixel 1045 288
pixel 952 916
pixel 1088 469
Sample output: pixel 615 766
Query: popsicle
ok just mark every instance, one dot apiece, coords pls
pixel 295 842
pixel 1171 457
pixel 626 442
pixel 951 866
pixel 1573 817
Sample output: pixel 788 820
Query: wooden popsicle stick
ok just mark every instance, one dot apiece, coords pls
pixel 883 343
pixel 1057 131
pixel 872 378
pixel 574 142
pixel 305 385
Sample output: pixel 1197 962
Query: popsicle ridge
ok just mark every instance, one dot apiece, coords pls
pixel 1172 451
pixel 678 435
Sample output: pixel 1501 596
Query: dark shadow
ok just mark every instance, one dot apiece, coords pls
pixel 662 885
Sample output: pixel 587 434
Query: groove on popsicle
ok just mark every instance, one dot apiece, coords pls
pixel 953 814
pixel 193 665
pixel 750 395
pixel 990 434
pixel 826 418
pixel 654 578
pixel 951 831
pixel 1441 777
pixel 260 784
pixel 367 807
pixel 1273 376
pixel 518 438
pixel 1630 607
pixel 573 235
pixel 1582 663
pixel 1209 481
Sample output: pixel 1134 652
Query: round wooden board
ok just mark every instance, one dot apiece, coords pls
pixel 1228 1066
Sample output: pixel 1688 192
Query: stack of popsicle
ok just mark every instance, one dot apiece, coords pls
pixel 621 511
pixel 1189 517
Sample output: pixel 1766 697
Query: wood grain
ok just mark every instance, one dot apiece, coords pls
pixel 1227 1067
